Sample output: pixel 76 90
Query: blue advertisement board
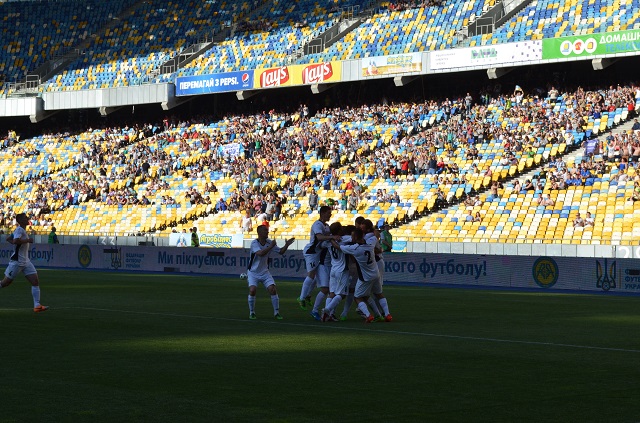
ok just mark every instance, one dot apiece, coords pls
pixel 217 83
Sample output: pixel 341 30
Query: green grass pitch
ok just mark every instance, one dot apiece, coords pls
pixel 172 348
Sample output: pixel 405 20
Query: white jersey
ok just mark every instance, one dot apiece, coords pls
pixel 246 223
pixel 365 260
pixel 371 239
pixel 260 264
pixel 318 228
pixel 21 252
pixel 338 257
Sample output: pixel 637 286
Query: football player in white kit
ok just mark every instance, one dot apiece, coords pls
pixel 372 237
pixel 311 253
pixel 19 262
pixel 364 256
pixel 259 270
pixel 339 278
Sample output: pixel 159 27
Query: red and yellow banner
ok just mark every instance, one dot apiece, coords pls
pixel 285 76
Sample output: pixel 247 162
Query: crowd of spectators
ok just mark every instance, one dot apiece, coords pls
pixel 270 158
pixel 11 139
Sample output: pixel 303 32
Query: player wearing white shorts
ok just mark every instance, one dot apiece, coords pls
pixel 372 237
pixel 322 280
pixel 364 256
pixel 311 253
pixel 19 262
pixel 339 278
pixel 258 270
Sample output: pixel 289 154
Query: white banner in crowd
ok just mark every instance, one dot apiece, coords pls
pixel 232 150
pixel 486 56
pixel 511 272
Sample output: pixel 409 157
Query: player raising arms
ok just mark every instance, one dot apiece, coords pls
pixel 259 270
pixel 364 256
pixel 19 262
pixel 311 253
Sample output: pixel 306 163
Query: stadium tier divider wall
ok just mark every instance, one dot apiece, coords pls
pixel 540 273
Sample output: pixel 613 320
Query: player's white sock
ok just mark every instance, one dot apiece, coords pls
pixel 363 308
pixel 384 305
pixel 307 286
pixel 275 301
pixel 347 304
pixel 332 304
pixel 319 299
pixel 252 303
pixel 35 292
pixel 374 307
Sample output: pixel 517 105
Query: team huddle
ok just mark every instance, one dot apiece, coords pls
pixel 342 261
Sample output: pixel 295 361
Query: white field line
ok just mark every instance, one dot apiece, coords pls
pixel 338 327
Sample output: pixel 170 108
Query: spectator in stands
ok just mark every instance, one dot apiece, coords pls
pixel 517 187
pixel 53 237
pixel 270 211
pixel 313 200
pixel 386 239
pixel 245 223
pixel 469 217
pixel 468 103
pixel 553 95
pixel 589 221
pixel 195 239
pixel 441 200
pixel 477 217
pixel 495 186
pixel 221 205
pixel 578 222
pixel 636 192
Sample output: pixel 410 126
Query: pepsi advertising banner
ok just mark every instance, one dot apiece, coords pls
pixel 217 83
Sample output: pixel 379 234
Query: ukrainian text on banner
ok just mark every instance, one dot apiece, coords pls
pixel 513 272
pixel 591 45
pixel 390 65
pixel 492 55
pixel 183 239
pixel 216 83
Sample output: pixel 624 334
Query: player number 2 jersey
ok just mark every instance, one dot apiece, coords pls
pixel 365 260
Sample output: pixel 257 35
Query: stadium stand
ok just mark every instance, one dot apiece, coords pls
pixel 268 38
pixel 548 19
pixel 403 31
pixel 506 168
pixel 424 167
pixel 152 34
pixel 37 31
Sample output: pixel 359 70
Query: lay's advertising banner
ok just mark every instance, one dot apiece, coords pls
pixel 391 65
pixel 591 45
pixel 287 76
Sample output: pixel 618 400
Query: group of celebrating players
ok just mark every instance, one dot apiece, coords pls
pixel 343 261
